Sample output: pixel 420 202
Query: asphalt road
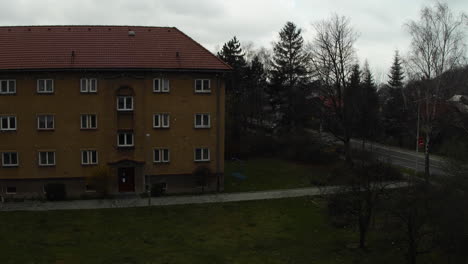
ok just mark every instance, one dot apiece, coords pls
pixel 402 157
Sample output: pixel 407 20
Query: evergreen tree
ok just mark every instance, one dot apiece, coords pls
pixel 352 98
pixel 396 73
pixel 255 93
pixel 232 54
pixel 368 116
pixel 394 106
pixel 288 78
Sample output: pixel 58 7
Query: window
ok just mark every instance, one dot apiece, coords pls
pixel 202 86
pixel 202 121
pixel 10 159
pixel 125 139
pixel 89 157
pixel 88 122
pixel 202 154
pixel 11 189
pixel 161 85
pixel 45 86
pixel 88 85
pixel 125 103
pixel 7 123
pixel 161 121
pixel 46 158
pixel 161 155
pixel 45 122
pixel 7 86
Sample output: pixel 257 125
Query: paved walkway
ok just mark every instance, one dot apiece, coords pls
pixel 175 200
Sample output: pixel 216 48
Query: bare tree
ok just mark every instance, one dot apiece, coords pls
pixel 437 46
pixel 333 55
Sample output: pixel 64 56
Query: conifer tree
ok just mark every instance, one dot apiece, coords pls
pixel 396 72
pixel 394 107
pixel 369 106
pixel 232 54
pixel 288 78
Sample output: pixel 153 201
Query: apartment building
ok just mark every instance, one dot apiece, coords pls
pixel 145 104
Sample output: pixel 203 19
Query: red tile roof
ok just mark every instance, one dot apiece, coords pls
pixel 99 47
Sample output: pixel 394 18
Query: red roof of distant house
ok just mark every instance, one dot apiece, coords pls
pixel 102 47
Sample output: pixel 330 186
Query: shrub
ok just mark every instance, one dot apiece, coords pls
pixel 55 192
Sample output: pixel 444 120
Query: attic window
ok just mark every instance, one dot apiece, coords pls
pixel 131 33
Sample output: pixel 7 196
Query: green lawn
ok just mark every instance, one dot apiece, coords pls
pixel 276 231
pixel 268 174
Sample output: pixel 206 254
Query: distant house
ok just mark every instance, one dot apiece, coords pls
pixel 144 103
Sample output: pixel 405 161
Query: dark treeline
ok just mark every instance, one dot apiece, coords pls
pixel 277 100
pixel 321 85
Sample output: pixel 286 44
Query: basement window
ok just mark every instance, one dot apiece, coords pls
pixel 10 189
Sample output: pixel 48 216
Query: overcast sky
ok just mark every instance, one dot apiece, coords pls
pixel 213 22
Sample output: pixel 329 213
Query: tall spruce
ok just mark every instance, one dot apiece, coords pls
pixel 368 107
pixel 394 106
pixel 396 72
pixel 288 78
pixel 256 84
pixel 233 55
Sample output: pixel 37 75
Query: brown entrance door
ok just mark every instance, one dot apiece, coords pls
pixel 126 179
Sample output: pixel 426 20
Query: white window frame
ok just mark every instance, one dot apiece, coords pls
pixel 89 156
pixel 125 145
pixel 8 128
pixel 48 162
pixel 45 91
pixel 11 164
pixel 46 116
pixel 161 159
pixel 203 88
pixel 126 107
pixel 8 89
pixel 202 125
pixel 86 85
pixel 88 123
pixel 202 149
pixel 162 117
pixel 164 85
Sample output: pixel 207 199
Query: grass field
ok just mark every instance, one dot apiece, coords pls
pixel 268 174
pixel 277 231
